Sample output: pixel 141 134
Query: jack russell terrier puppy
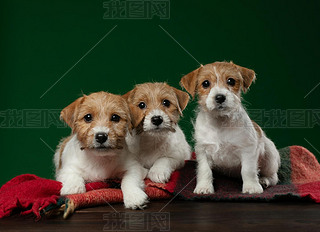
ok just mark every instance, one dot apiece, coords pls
pixel 157 139
pixel 226 139
pixel 96 149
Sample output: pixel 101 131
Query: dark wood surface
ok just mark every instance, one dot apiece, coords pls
pixel 180 216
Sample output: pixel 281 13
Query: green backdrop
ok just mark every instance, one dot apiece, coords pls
pixel 75 47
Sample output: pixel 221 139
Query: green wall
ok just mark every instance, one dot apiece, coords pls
pixel 43 40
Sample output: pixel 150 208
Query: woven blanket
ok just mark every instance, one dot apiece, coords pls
pixel 299 180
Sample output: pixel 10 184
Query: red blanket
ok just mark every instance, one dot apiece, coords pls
pixel 299 176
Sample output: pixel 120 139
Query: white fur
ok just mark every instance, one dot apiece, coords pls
pixel 160 151
pixel 232 101
pixel 88 165
pixel 148 126
pixel 227 142
pixel 216 73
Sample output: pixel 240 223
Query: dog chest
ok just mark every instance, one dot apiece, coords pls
pixel 101 168
pixel 228 156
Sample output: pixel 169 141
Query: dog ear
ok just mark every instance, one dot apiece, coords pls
pixel 189 81
pixel 130 123
pixel 128 113
pixel 183 99
pixel 69 112
pixel 136 115
pixel 248 76
pixel 128 95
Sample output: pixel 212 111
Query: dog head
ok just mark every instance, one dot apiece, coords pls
pixel 219 85
pixel 156 107
pixel 100 121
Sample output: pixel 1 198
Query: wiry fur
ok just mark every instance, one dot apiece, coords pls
pixel 226 139
pixel 80 159
pixel 163 148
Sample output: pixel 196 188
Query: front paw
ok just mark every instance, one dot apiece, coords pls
pixel 252 188
pixel 204 189
pixel 135 199
pixel 72 188
pixel 159 174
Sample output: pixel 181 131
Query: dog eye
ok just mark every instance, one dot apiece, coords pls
pixel 142 105
pixel 88 118
pixel 206 84
pixel 231 81
pixel 166 103
pixel 115 118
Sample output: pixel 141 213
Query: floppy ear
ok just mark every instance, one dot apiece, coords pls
pixel 130 124
pixel 136 115
pixel 183 99
pixel 128 95
pixel 189 81
pixel 69 112
pixel 248 76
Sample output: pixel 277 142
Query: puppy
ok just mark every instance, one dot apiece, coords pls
pixel 157 139
pixel 226 139
pixel 96 149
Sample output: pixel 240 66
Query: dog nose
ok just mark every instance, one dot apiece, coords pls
pixel 156 120
pixel 220 98
pixel 101 137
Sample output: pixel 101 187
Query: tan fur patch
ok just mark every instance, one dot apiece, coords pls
pixel 189 81
pixel 62 146
pixel 257 128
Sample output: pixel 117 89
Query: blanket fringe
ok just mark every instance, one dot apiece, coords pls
pixel 69 208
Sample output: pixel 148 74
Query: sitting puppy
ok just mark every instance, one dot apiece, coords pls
pixel 157 139
pixel 96 149
pixel 226 139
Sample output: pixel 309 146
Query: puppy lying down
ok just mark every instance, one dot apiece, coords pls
pixel 157 139
pixel 96 149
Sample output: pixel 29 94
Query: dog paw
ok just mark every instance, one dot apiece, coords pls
pixel 269 181
pixel 264 181
pixel 207 189
pixel 252 188
pixel 72 189
pixel 159 175
pixel 135 199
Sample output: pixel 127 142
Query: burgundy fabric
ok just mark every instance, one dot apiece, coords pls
pixel 299 180
pixel 28 194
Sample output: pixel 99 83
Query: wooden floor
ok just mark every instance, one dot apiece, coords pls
pixel 180 216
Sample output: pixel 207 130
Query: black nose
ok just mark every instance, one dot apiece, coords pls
pixel 220 98
pixel 101 137
pixel 156 120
